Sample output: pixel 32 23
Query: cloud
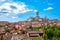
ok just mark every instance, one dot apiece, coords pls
pixel 35 10
pixel 10 10
pixel 14 17
pixel 7 14
pixel 10 6
pixel 2 0
pixel 14 8
pixel 49 8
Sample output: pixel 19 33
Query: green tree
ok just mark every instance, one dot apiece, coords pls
pixel 7 30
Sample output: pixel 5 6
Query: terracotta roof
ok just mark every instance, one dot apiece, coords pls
pixel 2 32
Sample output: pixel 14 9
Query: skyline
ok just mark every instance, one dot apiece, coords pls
pixel 20 10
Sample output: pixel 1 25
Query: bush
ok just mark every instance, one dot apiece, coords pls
pixel 52 33
pixel 7 30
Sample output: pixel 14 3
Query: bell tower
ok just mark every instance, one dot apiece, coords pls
pixel 37 13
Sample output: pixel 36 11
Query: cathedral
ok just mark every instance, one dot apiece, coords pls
pixel 34 22
pixel 37 21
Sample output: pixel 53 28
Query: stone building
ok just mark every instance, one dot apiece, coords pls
pixel 37 21
pixel 33 21
pixel 35 33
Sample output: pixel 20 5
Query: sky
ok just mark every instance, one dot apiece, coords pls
pixel 21 10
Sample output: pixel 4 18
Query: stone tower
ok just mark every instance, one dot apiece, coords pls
pixel 37 13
